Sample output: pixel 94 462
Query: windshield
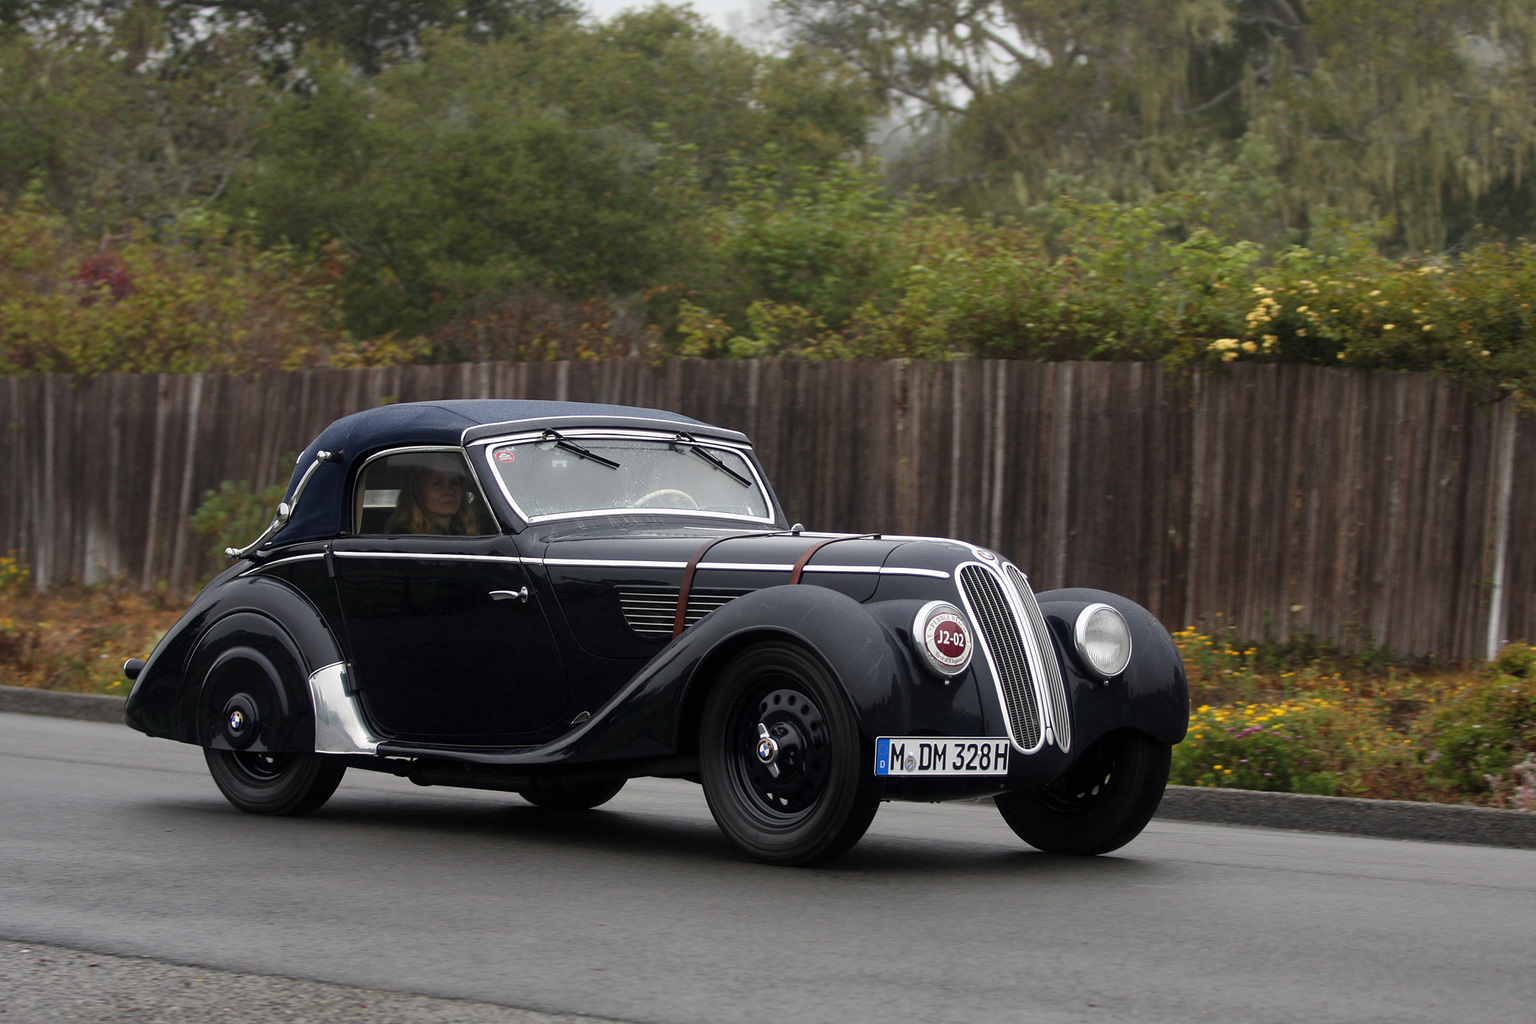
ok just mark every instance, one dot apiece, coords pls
pixel 561 474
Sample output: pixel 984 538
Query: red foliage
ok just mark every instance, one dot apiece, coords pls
pixel 104 270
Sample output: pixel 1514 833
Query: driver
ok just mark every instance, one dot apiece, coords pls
pixel 435 500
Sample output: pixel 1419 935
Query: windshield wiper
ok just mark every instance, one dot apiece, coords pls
pixel 710 458
pixel 576 449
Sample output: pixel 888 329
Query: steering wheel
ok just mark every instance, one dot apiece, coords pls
pixel 667 497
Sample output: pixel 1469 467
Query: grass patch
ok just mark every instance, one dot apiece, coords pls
pixel 77 638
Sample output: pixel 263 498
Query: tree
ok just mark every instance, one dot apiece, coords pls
pixel 571 158
pixel 108 141
pixel 1413 110
pixel 371 33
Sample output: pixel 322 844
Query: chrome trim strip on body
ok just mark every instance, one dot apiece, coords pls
pixel 608 563
pixel 339 727
pixel 435 556
pixel 883 570
pixel 620 563
pixel 311 556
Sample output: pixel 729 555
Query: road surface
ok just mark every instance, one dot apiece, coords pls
pixel 118 847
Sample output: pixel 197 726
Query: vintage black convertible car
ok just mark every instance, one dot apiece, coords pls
pixel 552 598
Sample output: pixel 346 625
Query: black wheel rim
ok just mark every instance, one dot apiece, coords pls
pixel 260 768
pixel 1086 782
pixel 802 755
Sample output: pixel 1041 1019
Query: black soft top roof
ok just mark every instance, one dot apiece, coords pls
pixel 449 422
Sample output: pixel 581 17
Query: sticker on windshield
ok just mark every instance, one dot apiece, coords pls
pixel 505 455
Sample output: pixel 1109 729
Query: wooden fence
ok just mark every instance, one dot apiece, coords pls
pixel 1353 504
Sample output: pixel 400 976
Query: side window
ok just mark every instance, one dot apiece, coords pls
pixel 428 492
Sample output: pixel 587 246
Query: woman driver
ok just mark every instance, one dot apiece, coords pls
pixel 434 500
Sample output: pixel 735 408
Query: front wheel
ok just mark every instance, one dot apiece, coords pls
pixel 785 771
pixel 1102 802
pixel 290 784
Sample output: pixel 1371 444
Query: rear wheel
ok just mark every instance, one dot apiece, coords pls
pixel 1102 802
pixel 571 794
pixel 287 783
pixel 784 769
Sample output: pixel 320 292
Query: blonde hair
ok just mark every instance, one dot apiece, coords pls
pixel 410 517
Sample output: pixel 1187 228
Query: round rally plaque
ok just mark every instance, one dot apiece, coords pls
pixel 943 638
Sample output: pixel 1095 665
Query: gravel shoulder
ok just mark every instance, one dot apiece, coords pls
pixel 40 983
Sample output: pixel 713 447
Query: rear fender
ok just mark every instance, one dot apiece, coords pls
pixel 1151 695
pixel 255 636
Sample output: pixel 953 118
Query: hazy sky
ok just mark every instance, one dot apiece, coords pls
pixel 733 16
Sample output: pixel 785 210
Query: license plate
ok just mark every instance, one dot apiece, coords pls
pixel 941 755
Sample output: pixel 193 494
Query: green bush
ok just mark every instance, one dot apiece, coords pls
pixel 234 514
pixel 1483 729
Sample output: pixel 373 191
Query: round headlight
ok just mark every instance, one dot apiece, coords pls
pixel 942 638
pixel 1103 639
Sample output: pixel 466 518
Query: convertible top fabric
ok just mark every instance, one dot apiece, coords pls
pixel 439 423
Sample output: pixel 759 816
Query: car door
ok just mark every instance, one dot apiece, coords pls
pixel 447 640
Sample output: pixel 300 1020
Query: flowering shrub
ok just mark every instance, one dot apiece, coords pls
pixel 1300 745
pixel 210 301
pixel 1303 717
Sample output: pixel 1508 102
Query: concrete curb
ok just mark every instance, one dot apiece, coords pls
pixel 88 707
pixel 1381 819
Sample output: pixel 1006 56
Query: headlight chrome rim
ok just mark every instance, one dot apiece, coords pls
pixel 931 618
pixel 1089 637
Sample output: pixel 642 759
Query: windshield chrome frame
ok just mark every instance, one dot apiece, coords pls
pixel 620 433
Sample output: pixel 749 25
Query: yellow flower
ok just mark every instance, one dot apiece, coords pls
pixel 1388 327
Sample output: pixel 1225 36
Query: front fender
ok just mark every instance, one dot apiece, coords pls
pixel 1151 695
pixel 656 712
pixel 288 637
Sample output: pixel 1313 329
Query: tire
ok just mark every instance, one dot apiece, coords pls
pixel 571 794
pixel 825 793
pixel 289 784
pixel 1102 802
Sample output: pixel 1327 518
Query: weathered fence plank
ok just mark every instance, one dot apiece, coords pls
pixel 1275 499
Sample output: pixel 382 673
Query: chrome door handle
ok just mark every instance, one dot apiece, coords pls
pixel 521 594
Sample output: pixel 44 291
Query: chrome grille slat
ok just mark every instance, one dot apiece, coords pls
pixel 1000 632
pixel 652 612
pixel 1055 687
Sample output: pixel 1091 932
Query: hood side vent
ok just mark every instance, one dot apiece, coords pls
pixel 650 611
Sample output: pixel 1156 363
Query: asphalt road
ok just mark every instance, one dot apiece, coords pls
pixel 119 847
